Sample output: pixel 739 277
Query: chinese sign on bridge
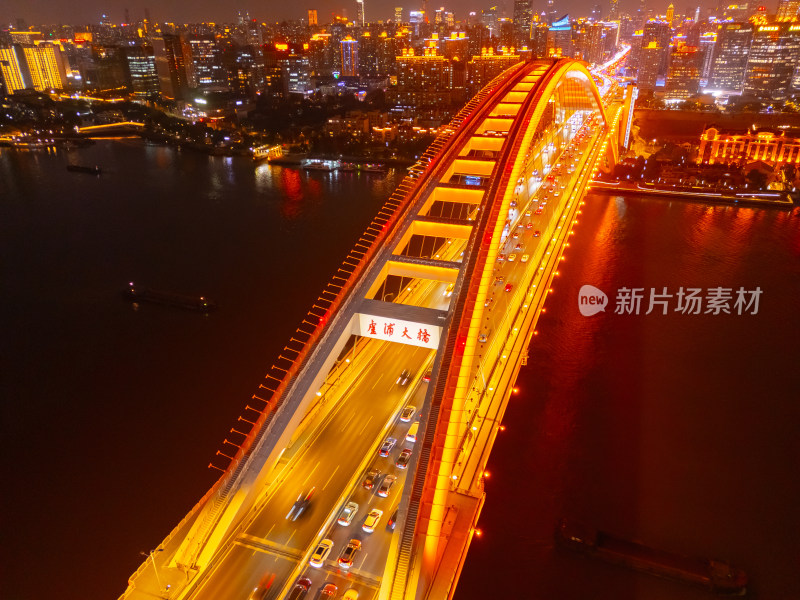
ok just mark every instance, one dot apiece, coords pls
pixel 395 330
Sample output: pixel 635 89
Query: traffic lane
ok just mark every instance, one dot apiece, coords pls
pixel 271 526
pixel 371 559
pixel 245 567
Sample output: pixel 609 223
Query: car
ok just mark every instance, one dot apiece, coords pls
pixel 482 338
pixel 260 591
pixel 516 235
pixel 405 376
pixel 372 520
pixel 386 486
pixel 371 478
pixel 528 225
pixel 513 203
pixel 518 247
pixel 387 446
pixel 509 287
pixel 407 413
pixel 449 290
pixel 349 553
pixel 524 258
pixel 300 505
pixel 402 460
pixel 411 436
pixel 300 589
pixel 329 591
pixel 488 301
pixel 512 257
pixel 348 512
pixel 537 233
pixel 539 210
pixel 427 377
pixel 321 553
pixel 499 279
pixel 527 213
pixel 501 257
pixel 392 520
pixel 350 594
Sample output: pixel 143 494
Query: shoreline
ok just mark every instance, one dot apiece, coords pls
pixel 782 201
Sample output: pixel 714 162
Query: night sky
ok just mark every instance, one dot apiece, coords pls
pixel 90 11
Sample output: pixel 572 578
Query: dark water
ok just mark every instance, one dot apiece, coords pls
pixel 677 430
pixel 110 416
pixel 681 431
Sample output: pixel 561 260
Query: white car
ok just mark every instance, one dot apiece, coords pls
pixel 407 413
pixel 372 520
pixel 524 258
pixel 321 553
pixel 348 512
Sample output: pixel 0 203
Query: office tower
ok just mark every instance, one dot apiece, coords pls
pixel 488 65
pixel 360 18
pixel 551 12
pixel 110 67
pixel 312 17
pixel 206 70
pixel 173 60
pixel 661 33
pixel 587 40
pixel 456 47
pixel 14 69
pixel 398 14
pixel 538 43
pixel 349 49
pixel 730 56
pixel 142 71
pixel 611 34
pixel 46 66
pixel 787 9
pixel 25 37
pixel 522 22
pixel 489 20
pixel 613 10
pixel 559 38
pixel 708 42
pixel 774 54
pixel 597 13
pixel 670 15
pixel 683 76
pixel 649 61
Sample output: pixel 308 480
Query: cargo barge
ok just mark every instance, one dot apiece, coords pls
pixel 144 294
pixel 715 575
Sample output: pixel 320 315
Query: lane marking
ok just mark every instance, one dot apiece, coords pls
pixel 347 423
pixel 290 537
pixel 266 537
pixel 310 474
pixel 377 381
pixel 331 477
pixel 364 427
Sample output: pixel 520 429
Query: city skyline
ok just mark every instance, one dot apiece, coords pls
pixel 209 11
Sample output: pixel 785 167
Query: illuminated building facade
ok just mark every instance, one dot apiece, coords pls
pixel 649 61
pixel 14 69
pixel 422 80
pixel 559 38
pixel 707 44
pixel 172 55
pixel 730 56
pixel 774 54
pixel 538 43
pixel 522 22
pixel 787 9
pixel 660 34
pixel 46 66
pixel 486 66
pixel 742 147
pixel 206 70
pixel 349 49
pixel 312 17
pixel 683 76
pixel 587 41
pixel 398 14
pixel 360 17
pixel 142 71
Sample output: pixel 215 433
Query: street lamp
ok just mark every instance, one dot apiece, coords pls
pixel 155 569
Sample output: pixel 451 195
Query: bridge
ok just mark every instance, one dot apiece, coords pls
pixel 392 391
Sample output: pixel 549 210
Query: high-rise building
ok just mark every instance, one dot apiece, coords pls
pixel 522 22
pixel 787 9
pixel 660 33
pixel 708 42
pixel 613 10
pixel 206 70
pixel 488 65
pixel 670 15
pixel 423 80
pixel 538 43
pixel 587 41
pixel 46 66
pixel 398 14
pixel 597 13
pixel 774 54
pixel 14 69
pixel 683 76
pixel 730 56
pixel 349 49
pixel 173 59
pixel 559 38
pixel 312 17
pixel 360 17
pixel 25 37
pixel 142 71
pixel 649 60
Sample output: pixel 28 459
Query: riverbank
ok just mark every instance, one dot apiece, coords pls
pixel 769 199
